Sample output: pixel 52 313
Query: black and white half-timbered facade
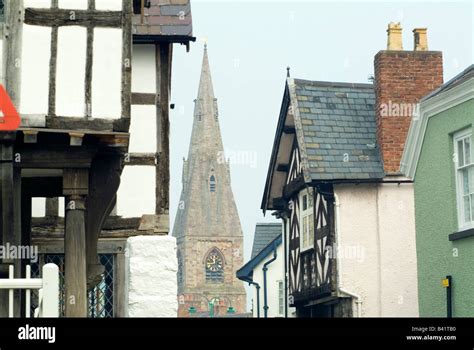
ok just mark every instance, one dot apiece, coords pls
pixel 67 66
pixel 334 179
pixel 311 154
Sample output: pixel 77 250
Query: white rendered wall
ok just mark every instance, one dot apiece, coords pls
pixel 36 53
pixel 107 73
pixel 275 274
pixel 136 195
pixel 151 277
pixel 71 72
pixel 377 240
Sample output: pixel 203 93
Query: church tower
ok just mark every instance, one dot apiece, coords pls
pixel 207 225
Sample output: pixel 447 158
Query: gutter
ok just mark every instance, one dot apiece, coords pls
pixel 265 269
pixel 340 289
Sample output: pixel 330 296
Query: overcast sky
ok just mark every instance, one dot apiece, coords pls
pixel 251 44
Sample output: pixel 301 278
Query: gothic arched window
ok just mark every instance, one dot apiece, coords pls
pixel 212 184
pixel 214 265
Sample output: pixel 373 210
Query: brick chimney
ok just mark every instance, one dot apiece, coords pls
pixel 402 78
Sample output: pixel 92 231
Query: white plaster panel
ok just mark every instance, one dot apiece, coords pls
pixel 151 277
pixel 136 194
pixel 111 5
pixel 107 73
pixel 144 69
pixel 36 47
pixel 37 3
pixel 73 4
pixel 71 69
pixel 143 129
pixel 2 77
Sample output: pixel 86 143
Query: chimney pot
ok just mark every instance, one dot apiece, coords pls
pixel 420 39
pixel 394 38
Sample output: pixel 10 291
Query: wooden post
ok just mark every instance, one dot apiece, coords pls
pixel 163 68
pixel 7 193
pixel 52 207
pixel 75 255
pixel 25 239
pixel 12 49
pixel 75 188
pixel 11 209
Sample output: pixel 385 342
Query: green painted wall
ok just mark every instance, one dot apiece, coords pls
pixel 436 218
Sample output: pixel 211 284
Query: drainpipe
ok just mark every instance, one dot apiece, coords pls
pixel 357 298
pixel 265 269
pixel 257 287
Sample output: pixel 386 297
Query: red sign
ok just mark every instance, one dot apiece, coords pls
pixel 11 118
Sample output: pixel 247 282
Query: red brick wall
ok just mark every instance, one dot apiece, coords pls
pixel 402 78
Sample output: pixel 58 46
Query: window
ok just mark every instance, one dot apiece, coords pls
pixel 212 184
pixel 214 267
pixel 464 178
pixel 281 298
pixel 307 222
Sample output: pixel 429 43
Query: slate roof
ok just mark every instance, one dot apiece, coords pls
pixel 264 235
pixel 245 273
pixel 465 75
pixel 339 129
pixel 166 18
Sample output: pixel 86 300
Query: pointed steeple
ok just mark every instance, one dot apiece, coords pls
pixel 207 219
pixel 206 137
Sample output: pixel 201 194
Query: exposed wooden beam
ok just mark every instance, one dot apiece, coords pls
pixel 88 70
pixel 53 157
pixel 80 123
pixel 12 48
pixel 289 130
pixel 42 186
pixel 163 59
pixel 127 43
pixel 143 99
pixel 293 187
pixel 63 17
pixel 279 203
pixel 134 159
pixel 75 275
pixel 53 65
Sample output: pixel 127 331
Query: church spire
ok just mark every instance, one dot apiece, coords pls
pixel 207 224
pixel 206 136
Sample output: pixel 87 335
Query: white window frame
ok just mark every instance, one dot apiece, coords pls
pixel 281 298
pixel 304 214
pixel 462 224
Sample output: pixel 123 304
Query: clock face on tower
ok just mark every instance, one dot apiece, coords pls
pixel 214 265
pixel 214 262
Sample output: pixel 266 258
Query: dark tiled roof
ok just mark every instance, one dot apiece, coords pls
pixel 339 130
pixel 465 75
pixel 264 235
pixel 165 17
